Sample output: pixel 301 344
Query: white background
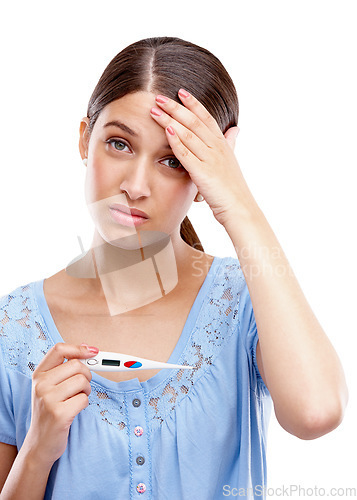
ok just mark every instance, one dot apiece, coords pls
pixel 294 66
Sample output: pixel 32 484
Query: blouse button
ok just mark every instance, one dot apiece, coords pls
pixel 138 431
pixel 141 488
pixel 140 460
pixel 136 402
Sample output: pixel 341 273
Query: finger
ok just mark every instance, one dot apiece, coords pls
pixel 59 352
pixel 199 110
pixel 74 405
pixel 193 143
pixel 194 117
pixel 66 370
pixel 70 387
pixel 231 135
pixel 182 153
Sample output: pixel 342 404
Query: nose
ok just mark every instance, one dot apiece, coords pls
pixel 136 179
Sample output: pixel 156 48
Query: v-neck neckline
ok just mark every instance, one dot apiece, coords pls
pixel 134 384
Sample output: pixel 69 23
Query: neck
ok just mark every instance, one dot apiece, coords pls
pixel 132 277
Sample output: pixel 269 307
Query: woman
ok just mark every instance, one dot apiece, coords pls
pixel 159 133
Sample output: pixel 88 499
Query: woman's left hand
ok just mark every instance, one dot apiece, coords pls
pixel 206 154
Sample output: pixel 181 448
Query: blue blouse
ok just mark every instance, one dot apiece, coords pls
pixel 182 434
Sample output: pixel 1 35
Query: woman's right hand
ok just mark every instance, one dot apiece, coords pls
pixel 59 392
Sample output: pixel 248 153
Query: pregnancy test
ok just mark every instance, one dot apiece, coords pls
pixel 118 362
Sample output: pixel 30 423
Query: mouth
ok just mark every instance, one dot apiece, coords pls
pixel 128 210
pixel 127 216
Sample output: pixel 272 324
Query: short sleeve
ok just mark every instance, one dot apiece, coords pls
pixel 7 420
pixel 249 332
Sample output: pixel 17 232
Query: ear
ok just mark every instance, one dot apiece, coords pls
pixel 231 136
pixel 84 137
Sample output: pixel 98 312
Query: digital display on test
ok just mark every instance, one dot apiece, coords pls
pixel 111 362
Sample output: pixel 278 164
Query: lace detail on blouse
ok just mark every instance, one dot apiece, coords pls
pixel 109 405
pixel 216 322
pixel 24 346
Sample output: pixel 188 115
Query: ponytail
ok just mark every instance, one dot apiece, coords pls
pixel 189 236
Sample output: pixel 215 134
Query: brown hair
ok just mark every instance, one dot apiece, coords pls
pixel 164 65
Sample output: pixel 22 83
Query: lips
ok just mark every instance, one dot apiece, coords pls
pixel 129 210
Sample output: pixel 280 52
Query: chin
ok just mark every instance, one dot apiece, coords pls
pixel 140 238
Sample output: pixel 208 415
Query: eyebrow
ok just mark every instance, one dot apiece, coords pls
pixel 116 123
pixel 125 128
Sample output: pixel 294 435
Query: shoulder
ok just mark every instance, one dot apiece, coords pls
pixel 220 272
pixel 23 337
pixel 225 289
pixel 15 304
pixel 229 273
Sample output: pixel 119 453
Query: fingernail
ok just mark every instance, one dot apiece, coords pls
pixel 156 112
pixel 161 98
pixel 91 349
pixel 183 93
pixel 170 130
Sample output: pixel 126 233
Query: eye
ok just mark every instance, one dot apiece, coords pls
pixel 117 144
pixel 173 163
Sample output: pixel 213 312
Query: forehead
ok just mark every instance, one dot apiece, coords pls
pixel 136 105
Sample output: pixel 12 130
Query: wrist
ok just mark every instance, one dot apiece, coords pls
pixel 242 212
pixel 34 457
pixel 28 476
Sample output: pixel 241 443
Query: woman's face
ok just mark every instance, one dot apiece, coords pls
pixel 130 163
